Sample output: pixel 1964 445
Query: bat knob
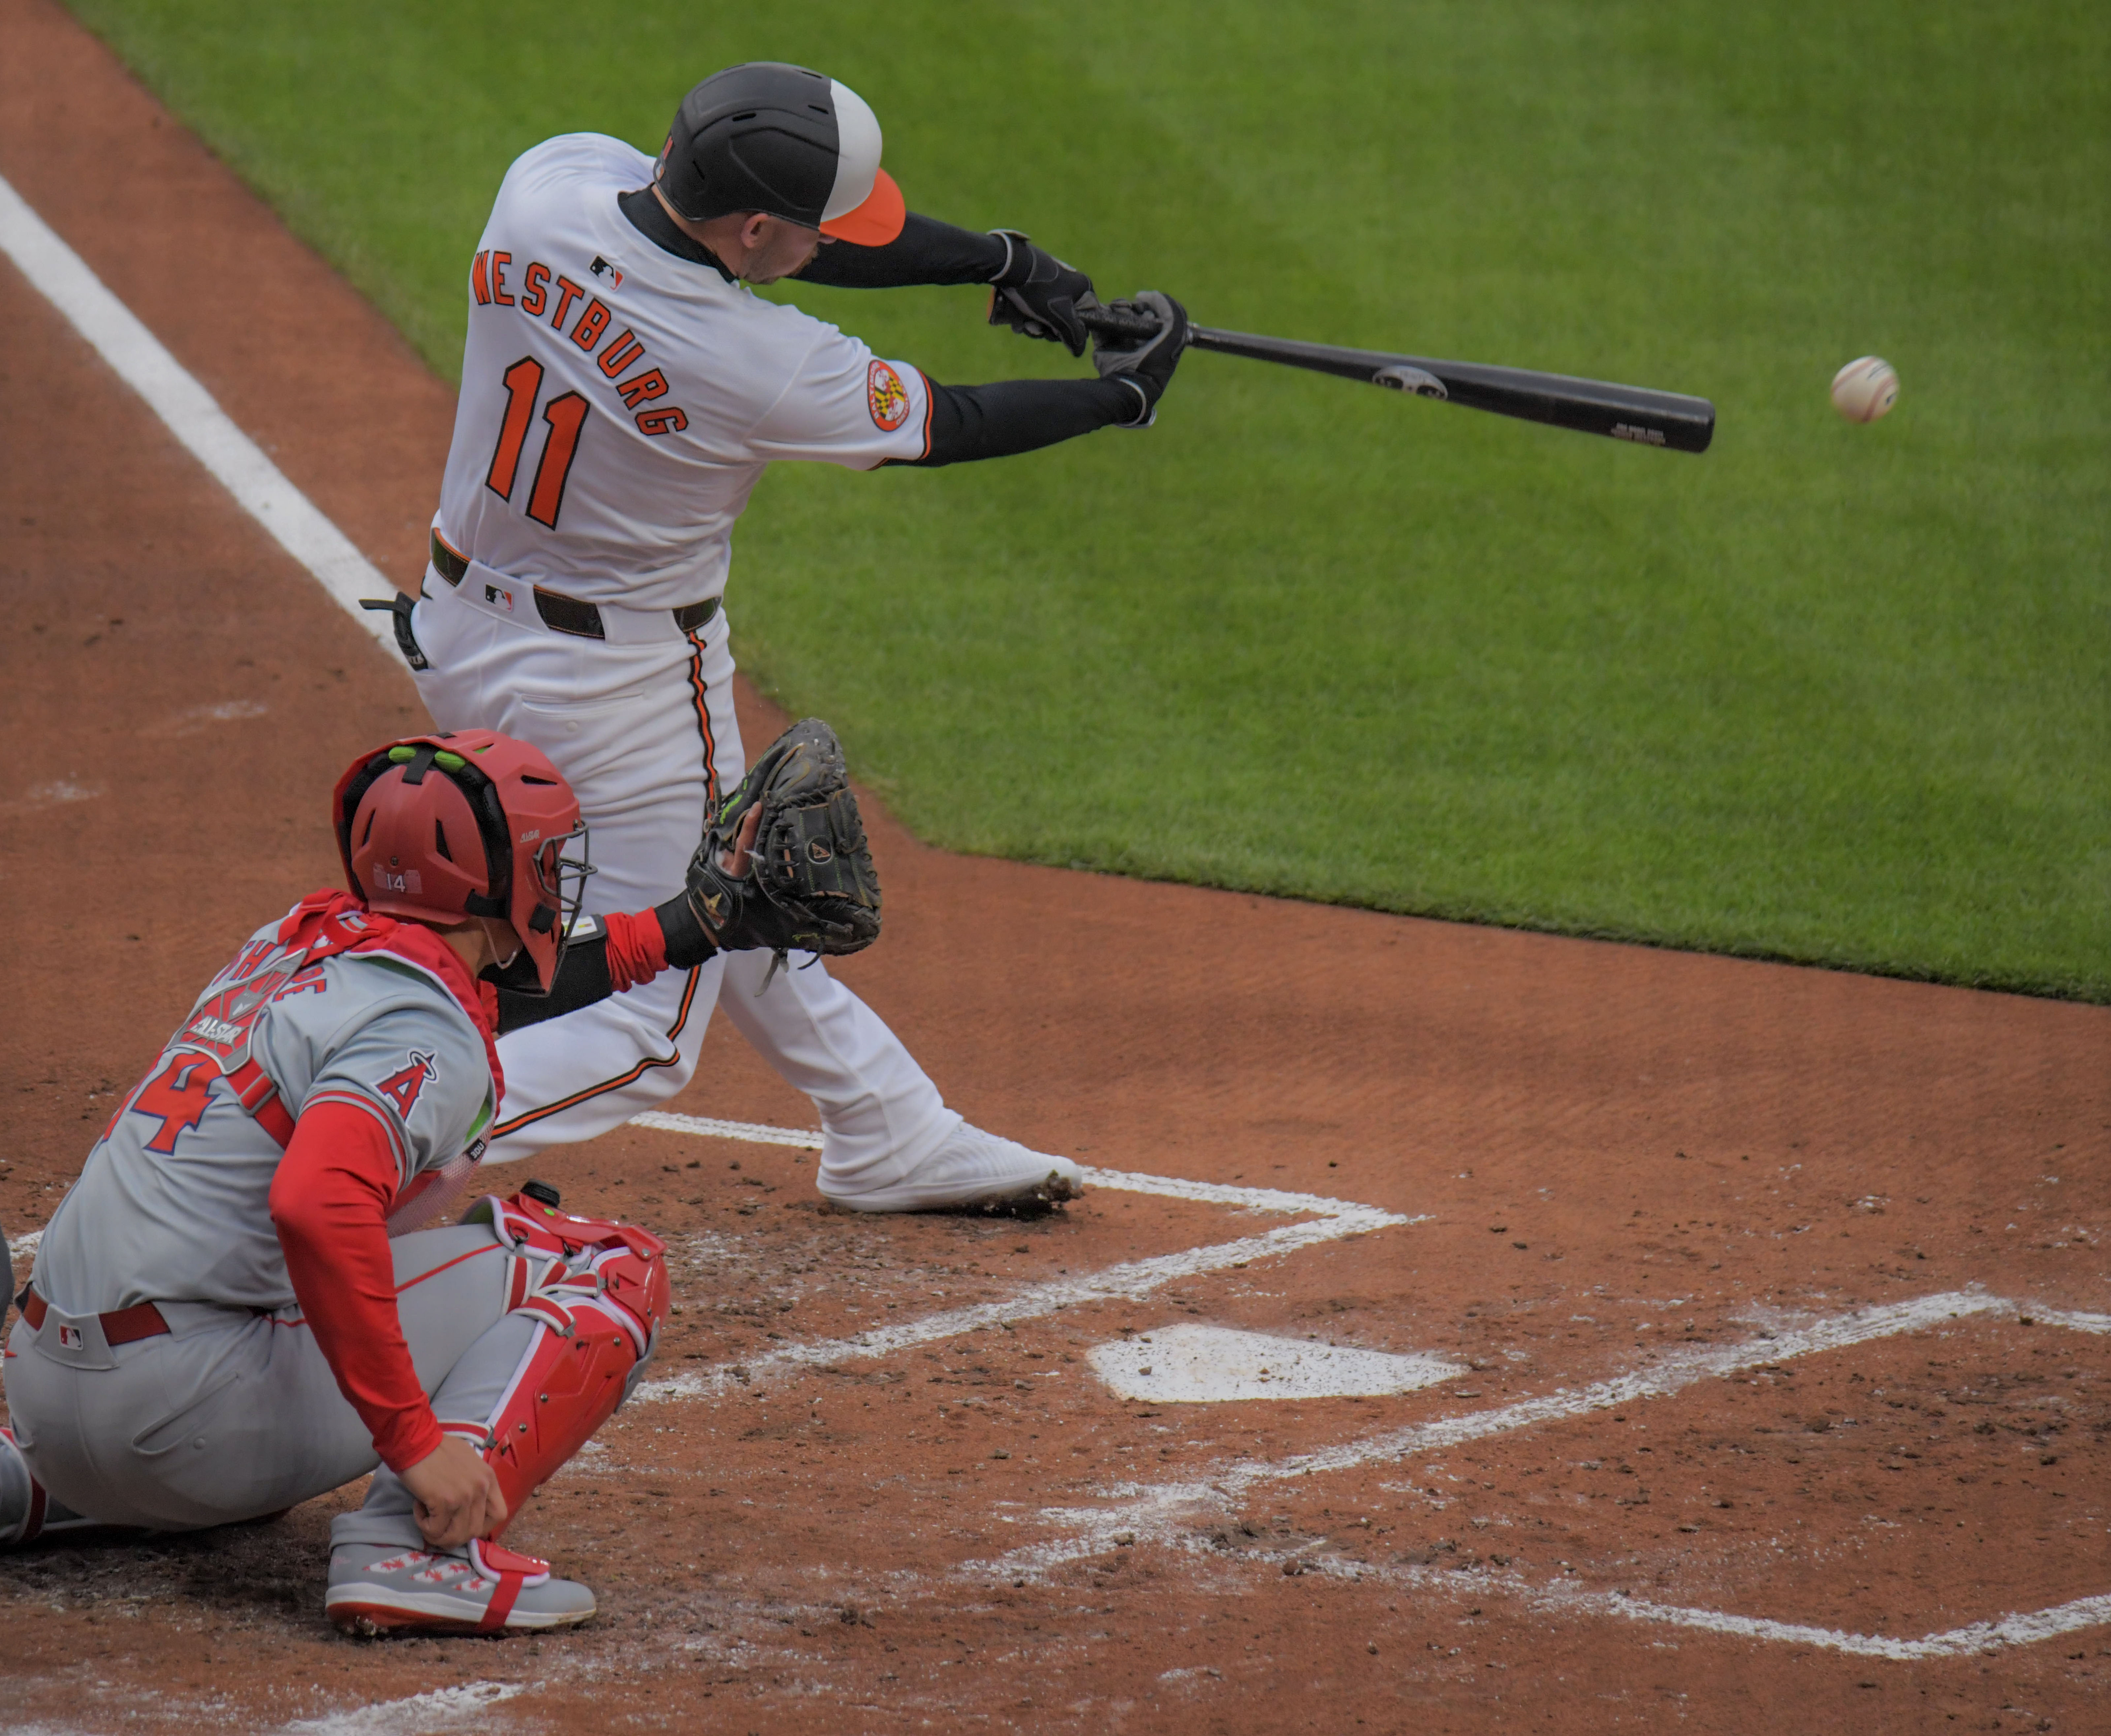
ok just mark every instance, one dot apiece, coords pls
pixel 1402 378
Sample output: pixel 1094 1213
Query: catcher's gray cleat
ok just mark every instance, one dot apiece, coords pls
pixel 976 1171
pixel 27 1512
pixel 21 1504
pixel 483 1588
pixel 24 1505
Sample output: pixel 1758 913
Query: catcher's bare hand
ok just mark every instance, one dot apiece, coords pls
pixel 457 1494
pixel 735 861
pixel 783 863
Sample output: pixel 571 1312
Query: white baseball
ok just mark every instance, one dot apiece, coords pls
pixel 1865 388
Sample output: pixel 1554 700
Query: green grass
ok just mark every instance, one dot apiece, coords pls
pixel 1832 693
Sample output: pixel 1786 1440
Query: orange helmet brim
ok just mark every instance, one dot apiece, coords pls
pixel 876 221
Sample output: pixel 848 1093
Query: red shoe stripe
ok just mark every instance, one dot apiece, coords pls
pixel 502 1602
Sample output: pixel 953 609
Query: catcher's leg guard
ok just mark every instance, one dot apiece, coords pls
pixel 593 1294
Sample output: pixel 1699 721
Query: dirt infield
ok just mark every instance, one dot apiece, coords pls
pixel 1772 1299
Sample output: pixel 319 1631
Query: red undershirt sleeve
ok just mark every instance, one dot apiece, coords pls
pixel 631 947
pixel 329 1203
pixel 637 948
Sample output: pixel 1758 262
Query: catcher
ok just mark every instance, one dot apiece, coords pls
pixel 244 1302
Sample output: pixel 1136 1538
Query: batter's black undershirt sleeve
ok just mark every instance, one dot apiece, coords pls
pixel 967 422
pixel 1020 416
pixel 926 251
pixel 582 977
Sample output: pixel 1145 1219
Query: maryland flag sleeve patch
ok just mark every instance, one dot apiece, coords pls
pixel 886 397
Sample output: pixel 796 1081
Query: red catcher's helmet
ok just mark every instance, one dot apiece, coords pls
pixel 473 823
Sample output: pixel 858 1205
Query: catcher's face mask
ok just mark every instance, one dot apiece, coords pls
pixel 557 874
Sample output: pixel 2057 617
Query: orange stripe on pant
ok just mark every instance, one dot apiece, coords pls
pixel 703 722
pixel 589 1092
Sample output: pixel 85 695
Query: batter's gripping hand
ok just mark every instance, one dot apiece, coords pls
pixel 785 863
pixel 1038 294
pixel 1147 364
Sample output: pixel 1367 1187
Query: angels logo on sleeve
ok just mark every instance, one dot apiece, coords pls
pixel 886 396
pixel 402 1087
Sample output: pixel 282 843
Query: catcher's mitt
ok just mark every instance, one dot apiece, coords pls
pixel 809 884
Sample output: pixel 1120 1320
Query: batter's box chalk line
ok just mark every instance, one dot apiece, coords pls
pixel 1179 1515
pixel 1562 1600
pixel 442 1709
pixel 1325 1220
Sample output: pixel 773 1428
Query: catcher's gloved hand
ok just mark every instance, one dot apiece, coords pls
pixel 783 863
pixel 1037 294
pixel 1147 364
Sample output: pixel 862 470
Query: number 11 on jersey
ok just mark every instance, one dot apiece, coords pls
pixel 566 414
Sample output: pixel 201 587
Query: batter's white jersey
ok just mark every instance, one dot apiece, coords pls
pixel 618 403
pixel 174 1204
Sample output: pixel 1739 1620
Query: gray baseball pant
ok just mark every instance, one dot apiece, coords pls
pixel 232 1415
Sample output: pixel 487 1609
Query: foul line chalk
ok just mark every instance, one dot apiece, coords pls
pixel 1330 1220
pixel 204 430
pixel 1166 1513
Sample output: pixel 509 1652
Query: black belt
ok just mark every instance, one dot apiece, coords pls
pixel 563 614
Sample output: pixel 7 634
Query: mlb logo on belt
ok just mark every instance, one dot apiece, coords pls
pixel 70 1339
pixel 502 596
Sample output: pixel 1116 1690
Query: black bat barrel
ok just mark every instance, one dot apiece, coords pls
pixel 1648 418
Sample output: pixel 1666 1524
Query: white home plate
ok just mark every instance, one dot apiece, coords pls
pixel 1210 1364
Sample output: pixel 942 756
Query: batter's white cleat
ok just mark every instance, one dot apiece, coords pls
pixel 484 1588
pixel 976 1171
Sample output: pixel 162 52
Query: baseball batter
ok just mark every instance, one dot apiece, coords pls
pixel 238 1306
pixel 622 392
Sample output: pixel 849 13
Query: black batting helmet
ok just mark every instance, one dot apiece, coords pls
pixel 775 138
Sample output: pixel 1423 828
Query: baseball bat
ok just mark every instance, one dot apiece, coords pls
pixel 1636 413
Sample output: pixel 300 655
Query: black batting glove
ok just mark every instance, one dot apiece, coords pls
pixel 1145 364
pixel 1039 295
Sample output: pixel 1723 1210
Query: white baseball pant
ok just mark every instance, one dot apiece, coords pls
pixel 642 723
